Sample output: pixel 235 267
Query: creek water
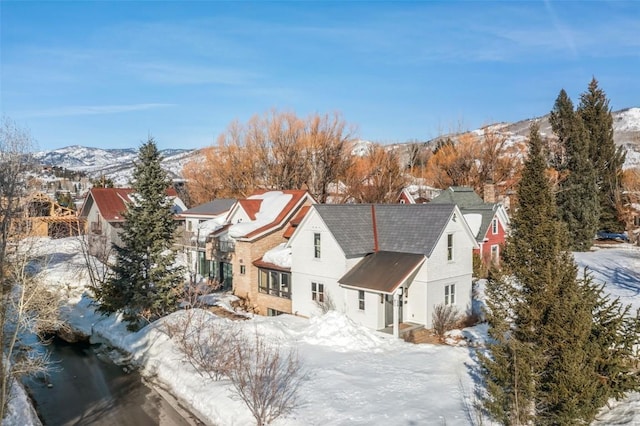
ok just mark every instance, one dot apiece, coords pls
pixel 85 388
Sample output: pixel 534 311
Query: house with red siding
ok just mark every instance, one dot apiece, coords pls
pixel 488 220
pixel 103 212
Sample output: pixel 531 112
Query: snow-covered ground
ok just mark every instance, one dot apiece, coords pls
pixel 355 376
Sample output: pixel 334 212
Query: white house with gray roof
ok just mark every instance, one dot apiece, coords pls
pixel 383 264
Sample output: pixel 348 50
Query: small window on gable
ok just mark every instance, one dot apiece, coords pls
pixel 494 226
pixel 316 245
pixel 449 246
pixel 243 269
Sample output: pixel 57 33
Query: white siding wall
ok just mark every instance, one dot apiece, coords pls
pixel 426 291
pixel 306 269
pixel 416 308
pixel 442 272
pixel 373 314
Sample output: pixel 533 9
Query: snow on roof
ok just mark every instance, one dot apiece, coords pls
pixel 474 220
pixel 208 226
pixel 273 202
pixel 279 255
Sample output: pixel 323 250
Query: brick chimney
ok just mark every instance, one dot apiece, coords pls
pixel 490 193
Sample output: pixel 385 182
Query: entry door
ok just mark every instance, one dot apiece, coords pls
pixel 388 309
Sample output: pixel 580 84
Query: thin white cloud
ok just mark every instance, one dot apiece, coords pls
pixel 562 29
pixel 69 111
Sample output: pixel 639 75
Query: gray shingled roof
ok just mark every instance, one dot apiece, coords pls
pixel 487 211
pixel 213 208
pixel 469 202
pixel 403 228
pixel 462 196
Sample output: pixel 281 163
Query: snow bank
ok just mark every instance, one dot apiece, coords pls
pixel 337 331
pixel 20 412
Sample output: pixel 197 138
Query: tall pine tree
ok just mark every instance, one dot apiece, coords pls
pixel 554 336
pixel 578 195
pixel 146 283
pixel 608 159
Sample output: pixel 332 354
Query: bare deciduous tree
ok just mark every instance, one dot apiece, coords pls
pixel 376 177
pixel 27 306
pixel 208 346
pixel 276 151
pixel 266 378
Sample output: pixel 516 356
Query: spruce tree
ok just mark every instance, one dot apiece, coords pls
pixel 555 338
pixel 608 159
pixel 578 195
pixel 145 283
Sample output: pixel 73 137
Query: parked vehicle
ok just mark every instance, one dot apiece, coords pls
pixel 617 236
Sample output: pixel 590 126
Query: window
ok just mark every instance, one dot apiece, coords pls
pixel 494 226
pixel 450 294
pixel 317 292
pixel 273 312
pixel 243 269
pixel 316 245
pixel 449 246
pixel 495 253
pixel 275 283
pixel 361 300
pixel 189 226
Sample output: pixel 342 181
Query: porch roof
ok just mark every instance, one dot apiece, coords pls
pixel 382 271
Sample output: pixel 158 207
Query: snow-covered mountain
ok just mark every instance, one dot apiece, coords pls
pixel 116 164
pixel 626 132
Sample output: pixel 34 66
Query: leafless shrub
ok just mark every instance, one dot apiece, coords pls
pixel 208 346
pixel 327 304
pixel 98 254
pixel 444 318
pixel 266 379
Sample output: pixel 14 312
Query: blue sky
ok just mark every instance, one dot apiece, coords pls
pixel 109 73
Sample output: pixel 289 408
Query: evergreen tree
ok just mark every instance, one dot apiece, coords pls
pixel 578 195
pixel 145 283
pixel 555 338
pixel 608 159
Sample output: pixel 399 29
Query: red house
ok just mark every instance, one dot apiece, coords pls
pixel 488 221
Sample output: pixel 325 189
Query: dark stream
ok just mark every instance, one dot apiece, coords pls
pixel 85 389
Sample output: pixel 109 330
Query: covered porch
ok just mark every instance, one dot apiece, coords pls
pixel 389 275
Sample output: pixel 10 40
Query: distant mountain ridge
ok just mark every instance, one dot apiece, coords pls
pixel 117 164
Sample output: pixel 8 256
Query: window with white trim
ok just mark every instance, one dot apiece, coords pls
pixel 495 253
pixel 361 300
pixel 316 245
pixel 449 246
pixel 275 283
pixel 450 294
pixel 317 292
pixel 494 226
